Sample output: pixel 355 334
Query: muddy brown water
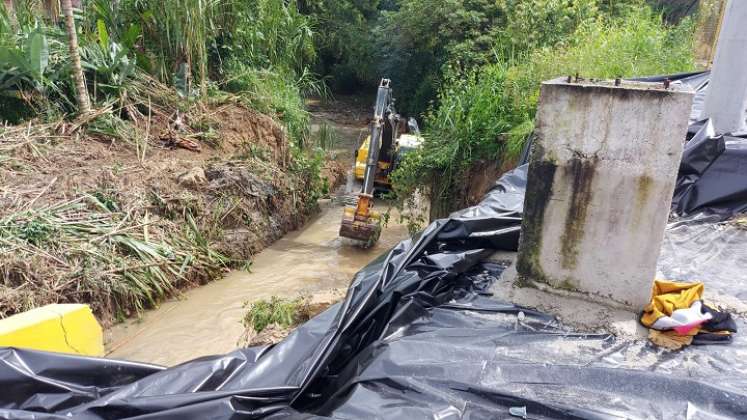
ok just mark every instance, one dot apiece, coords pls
pixel 207 320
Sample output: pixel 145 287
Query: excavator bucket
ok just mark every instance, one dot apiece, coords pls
pixel 365 231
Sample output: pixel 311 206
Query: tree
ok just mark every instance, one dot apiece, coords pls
pixel 84 103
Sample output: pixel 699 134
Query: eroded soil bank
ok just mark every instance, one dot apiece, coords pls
pixel 312 261
pixel 122 224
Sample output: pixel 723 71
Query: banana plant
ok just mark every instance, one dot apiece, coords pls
pixel 26 64
pixel 34 70
pixel 110 63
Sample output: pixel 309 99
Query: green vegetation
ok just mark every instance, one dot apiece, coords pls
pixel 95 254
pixel 272 93
pixel 281 311
pixel 172 74
pixel 418 43
pixel 326 138
pixel 487 112
pixel 423 41
pixel 261 50
pixel 283 314
pixel 470 69
pixel 175 75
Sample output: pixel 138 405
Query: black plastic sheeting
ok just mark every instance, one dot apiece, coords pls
pixel 418 335
pixel 712 175
pixel 395 289
pixel 703 248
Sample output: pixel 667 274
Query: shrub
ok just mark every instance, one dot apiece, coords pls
pixel 273 93
pixel 488 113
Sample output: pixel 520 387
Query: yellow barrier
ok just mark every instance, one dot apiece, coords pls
pixel 64 328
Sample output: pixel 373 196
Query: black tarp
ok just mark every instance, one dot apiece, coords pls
pixel 418 335
pixel 395 289
pixel 713 175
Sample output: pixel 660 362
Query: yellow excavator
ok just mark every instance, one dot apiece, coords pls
pixel 391 136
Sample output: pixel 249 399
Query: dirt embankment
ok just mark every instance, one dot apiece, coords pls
pixel 476 182
pixel 91 218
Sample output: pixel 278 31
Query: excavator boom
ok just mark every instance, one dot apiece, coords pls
pixel 361 223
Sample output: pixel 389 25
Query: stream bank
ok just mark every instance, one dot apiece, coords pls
pixel 207 320
pixel 123 217
pixel 312 260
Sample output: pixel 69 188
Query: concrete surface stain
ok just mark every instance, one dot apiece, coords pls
pixel 580 173
pixel 642 193
pixel 538 194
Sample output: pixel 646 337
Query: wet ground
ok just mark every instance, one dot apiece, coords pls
pixel 207 320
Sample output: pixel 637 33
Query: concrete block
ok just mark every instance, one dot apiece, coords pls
pixel 600 184
pixel 726 99
pixel 62 328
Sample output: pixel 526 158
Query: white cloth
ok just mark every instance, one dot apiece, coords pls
pixel 683 319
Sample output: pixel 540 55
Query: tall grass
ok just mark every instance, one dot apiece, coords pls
pixel 89 250
pixel 189 40
pixel 326 137
pixel 267 34
pixel 487 114
pixel 184 31
pixel 185 43
pixel 272 93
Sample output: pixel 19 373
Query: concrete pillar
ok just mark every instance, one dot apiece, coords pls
pixel 726 99
pixel 600 184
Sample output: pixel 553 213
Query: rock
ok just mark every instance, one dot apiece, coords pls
pixel 272 334
pixel 194 178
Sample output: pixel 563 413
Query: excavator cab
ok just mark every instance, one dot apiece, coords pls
pixel 375 160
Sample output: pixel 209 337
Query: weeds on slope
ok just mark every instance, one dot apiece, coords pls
pixel 487 114
pixel 89 250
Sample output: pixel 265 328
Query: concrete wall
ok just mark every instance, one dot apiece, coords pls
pixel 726 99
pixel 601 178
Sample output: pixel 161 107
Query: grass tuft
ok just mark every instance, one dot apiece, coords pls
pixel 282 311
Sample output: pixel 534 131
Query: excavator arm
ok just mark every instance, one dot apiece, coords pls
pixel 361 223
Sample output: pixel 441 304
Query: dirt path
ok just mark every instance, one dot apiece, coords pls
pixel 207 320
